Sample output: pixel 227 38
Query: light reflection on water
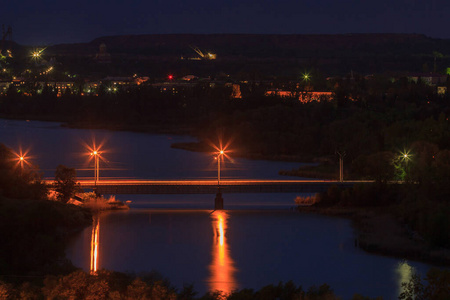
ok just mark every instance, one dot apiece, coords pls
pixel 228 250
pixel 404 272
pixel 95 244
pixel 261 247
pixel 222 265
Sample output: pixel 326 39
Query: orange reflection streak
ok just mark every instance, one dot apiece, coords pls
pixel 222 265
pixel 95 244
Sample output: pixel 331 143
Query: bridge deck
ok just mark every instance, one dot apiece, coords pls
pixel 210 186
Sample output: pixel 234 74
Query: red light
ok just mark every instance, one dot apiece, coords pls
pixel 170 77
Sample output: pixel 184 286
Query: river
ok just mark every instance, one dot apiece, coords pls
pixel 257 240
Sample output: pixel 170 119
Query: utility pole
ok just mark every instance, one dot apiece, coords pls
pixel 341 165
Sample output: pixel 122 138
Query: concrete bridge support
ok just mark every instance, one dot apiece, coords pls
pixel 218 203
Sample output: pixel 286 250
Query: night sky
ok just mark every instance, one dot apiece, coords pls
pixel 51 22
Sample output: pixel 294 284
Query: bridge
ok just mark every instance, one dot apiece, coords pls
pixel 124 186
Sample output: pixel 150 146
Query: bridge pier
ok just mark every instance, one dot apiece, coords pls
pixel 218 203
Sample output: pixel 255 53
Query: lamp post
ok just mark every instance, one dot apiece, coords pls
pixel 341 165
pixel 21 158
pixel 218 166
pixel 95 153
pixel 404 158
pixel 218 205
pixel 21 161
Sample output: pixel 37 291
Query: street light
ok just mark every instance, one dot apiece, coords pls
pixel 96 154
pixel 341 164
pixel 218 205
pixel 306 76
pixel 22 159
pixel 219 155
pixel 37 54
pixel 405 155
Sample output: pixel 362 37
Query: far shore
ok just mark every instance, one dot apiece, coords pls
pixel 157 129
pixel 379 233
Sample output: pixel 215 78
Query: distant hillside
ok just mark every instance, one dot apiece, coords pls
pixel 330 53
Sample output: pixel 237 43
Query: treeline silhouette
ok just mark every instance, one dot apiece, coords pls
pixel 33 229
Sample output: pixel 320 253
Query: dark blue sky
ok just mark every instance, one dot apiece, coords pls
pixel 53 22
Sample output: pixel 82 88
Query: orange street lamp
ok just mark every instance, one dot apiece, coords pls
pixel 21 158
pixel 21 161
pixel 96 154
pixel 219 200
pixel 219 155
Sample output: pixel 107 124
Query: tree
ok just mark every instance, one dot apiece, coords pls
pixel 378 166
pixel 438 286
pixel 65 183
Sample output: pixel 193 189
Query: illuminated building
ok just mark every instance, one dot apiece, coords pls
pixel 236 91
pixel 305 97
pixel 428 78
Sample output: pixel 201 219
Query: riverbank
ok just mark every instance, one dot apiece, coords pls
pixel 170 129
pixel 34 235
pixel 158 129
pixel 380 233
pixel 113 126
pixel 146 128
pixel 96 203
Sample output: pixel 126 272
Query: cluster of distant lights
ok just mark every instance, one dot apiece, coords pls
pixel 112 89
pixel 37 53
pixel 46 71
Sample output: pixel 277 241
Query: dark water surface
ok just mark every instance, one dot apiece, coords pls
pixel 258 240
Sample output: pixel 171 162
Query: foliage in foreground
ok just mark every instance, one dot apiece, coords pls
pixel 115 285
pixel 65 183
pixel 438 287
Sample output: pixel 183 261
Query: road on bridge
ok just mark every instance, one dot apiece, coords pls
pixel 142 186
pixel 89 182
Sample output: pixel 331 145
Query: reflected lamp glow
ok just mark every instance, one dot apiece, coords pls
pixel 222 277
pixel 404 272
pixel 95 237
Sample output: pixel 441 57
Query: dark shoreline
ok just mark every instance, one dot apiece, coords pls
pixel 376 232
pixel 157 129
